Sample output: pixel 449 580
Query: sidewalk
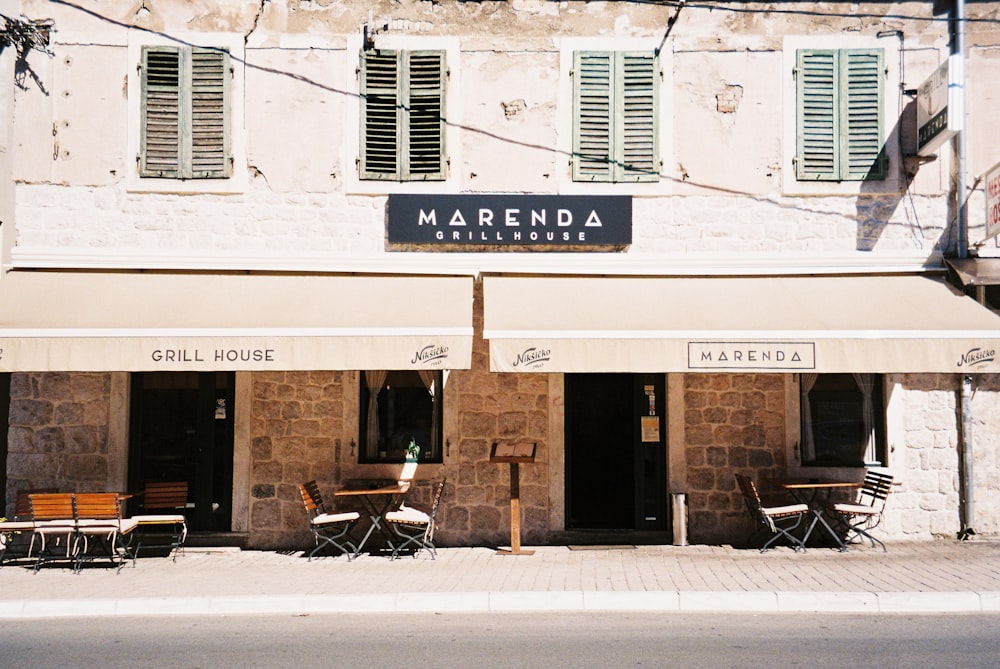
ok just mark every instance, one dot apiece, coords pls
pixel 938 576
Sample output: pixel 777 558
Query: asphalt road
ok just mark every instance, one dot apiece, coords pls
pixel 551 640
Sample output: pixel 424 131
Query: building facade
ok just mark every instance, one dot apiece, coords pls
pixel 252 244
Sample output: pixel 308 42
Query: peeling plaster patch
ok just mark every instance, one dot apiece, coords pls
pixel 513 108
pixel 728 100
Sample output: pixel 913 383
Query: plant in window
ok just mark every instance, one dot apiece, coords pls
pixel 413 450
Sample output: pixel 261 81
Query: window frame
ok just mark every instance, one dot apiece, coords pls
pixel 199 84
pixel 408 131
pixel 237 182
pixel 840 114
pixel 600 83
pixel 431 453
pixel 833 392
pixel 895 181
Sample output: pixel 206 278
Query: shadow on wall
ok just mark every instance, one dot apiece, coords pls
pixel 876 203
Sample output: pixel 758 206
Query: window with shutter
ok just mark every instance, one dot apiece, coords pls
pixel 615 107
pixel 839 115
pixel 184 130
pixel 402 98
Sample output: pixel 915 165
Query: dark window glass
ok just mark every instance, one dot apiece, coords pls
pixel 841 425
pixel 405 408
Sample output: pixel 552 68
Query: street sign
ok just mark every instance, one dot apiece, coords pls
pixel 992 187
pixel 939 106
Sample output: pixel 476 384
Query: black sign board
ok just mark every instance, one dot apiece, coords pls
pixel 511 220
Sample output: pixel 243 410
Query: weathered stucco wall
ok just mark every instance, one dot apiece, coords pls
pixel 723 138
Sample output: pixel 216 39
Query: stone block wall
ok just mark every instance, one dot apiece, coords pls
pixel 733 423
pixel 926 503
pixel 58 433
pixel 297 435
pixel 505 408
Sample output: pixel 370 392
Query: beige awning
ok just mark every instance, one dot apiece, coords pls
pixel 80 321
pixel 737 324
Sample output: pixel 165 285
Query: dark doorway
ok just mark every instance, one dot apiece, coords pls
pixel 182 430
pixel 4 428
pixel 615 452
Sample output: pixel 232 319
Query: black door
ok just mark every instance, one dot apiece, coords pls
pixel 4 430
pixel 615 451
pixel 182 430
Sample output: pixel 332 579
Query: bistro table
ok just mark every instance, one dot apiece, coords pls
pixel 815 493
pixel 377 501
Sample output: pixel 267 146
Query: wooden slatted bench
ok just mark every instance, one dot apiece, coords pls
pixel 167 500
pixel 53 526
pixel 101 531
pixel 16 534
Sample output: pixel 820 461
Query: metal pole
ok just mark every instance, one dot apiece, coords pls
pixel 967 506
pixel 958 49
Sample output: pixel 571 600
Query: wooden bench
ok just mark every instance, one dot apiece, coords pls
pixel 53 526
pixel 79 527
pixel 101 531
pixel 163 504
pixel 16 534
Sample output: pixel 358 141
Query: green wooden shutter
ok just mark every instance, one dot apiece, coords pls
pixel 615 108
pixel 381 114
pixel 592 100
pixel 862 90
pixel 210 149
pixel 839 115
pixel 159 141
pixel 424 129
pixel 817 150
pixel 636 133
pixel 184 131
pixel 402 118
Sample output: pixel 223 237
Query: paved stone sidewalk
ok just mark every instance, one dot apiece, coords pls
pixel 910 577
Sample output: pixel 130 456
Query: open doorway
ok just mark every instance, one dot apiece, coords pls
pixel 181 429
pixel 615 452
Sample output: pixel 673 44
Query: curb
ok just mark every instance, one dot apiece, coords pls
pixel 509 602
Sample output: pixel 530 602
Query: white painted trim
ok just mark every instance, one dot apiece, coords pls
pixel 471 264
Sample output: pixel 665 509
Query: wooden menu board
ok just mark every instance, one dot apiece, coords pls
pixel 513 453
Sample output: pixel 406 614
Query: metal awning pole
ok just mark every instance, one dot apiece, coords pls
pixel 967 506
pixel 958 50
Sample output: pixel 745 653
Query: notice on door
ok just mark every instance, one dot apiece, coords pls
pixel 650 428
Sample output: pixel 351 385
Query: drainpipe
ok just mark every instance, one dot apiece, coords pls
pixel 966 506
pixel 958 50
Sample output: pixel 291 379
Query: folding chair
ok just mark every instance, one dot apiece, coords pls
pixel 16 534
pixel 777 521
pixel 415 527
pixel 163 504
pixel 329 529
pixel 858 518
pixel 54 522
pixel 99 522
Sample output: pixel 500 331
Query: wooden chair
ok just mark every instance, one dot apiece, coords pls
pixel 858 518
pixel 22 504
pixel 415 527
pixel 776 521
pixel 163 505
pixel 328 529
pixel 100 529
pixel 16 534
pixel 54 526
